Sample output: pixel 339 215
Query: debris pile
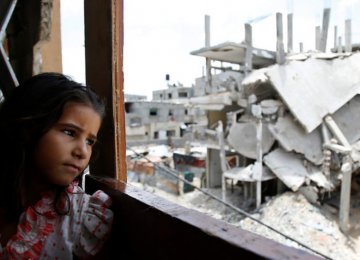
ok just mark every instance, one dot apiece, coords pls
pixel 316 227
pixel 291 213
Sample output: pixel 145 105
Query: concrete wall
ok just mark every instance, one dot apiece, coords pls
pixel 154 112
pixel 144 125
pixel 131 97
pixel 173 92
pixel 221 82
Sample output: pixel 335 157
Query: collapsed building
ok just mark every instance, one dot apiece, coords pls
pixel 164 222
pixel 290 118
pixel 309 129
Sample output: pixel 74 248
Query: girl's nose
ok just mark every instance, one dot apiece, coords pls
pixel 81 150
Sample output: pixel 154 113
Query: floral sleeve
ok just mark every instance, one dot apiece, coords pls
pixel 95 227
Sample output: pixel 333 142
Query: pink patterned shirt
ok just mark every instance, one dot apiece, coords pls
pixel 44 234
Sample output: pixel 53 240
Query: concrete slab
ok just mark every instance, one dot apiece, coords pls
pixel 288 167
pixel 242 137
pixel 235 53
pixel 292 137
pixel 348 119
pixel 247 174
pixel 313 88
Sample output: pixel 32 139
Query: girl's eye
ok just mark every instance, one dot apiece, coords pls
pixel 69 132
pixel 90 142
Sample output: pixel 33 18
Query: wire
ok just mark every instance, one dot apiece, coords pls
pixel 176 175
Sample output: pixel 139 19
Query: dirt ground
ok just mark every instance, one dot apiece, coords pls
pixel 291 213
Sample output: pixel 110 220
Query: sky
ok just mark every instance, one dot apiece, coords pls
pixel 160 34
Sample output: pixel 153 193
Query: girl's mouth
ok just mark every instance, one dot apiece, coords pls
pixel 73 168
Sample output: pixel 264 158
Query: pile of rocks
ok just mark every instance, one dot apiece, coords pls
pixel 315 226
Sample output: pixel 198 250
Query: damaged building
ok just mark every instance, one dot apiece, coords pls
pixel 291 118
pixel 157 221
pixel 163 120
pixel 148 122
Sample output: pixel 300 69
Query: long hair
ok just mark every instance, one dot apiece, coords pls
pixel 29 112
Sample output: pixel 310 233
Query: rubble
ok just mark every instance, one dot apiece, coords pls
pixel 316 227
pixel 294 124
pixel 291 213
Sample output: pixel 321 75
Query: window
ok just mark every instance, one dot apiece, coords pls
pixel 185 111
pixel 153 111
pixel 128 107
pixel 169 95
pixel 183 94
pixel 170 133
pixel 156 135
pixel 170 112
pixel 135 122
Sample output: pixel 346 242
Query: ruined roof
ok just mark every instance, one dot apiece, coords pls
pixel 235 53
pixel 315 87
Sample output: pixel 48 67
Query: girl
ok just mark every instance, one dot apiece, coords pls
pixel 48 127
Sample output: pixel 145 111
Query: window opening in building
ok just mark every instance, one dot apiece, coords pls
pixel 170 133
pixel 135 122
pixel 183 94
pixel 169 95
pixel 128 107
pixel 153 111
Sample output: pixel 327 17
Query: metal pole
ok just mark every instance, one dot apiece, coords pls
pixel 7 20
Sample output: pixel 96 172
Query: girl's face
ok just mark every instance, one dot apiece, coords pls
pixel 64 151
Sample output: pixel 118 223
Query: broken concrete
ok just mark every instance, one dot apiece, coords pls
pixel 248 174
pixel 242 137
pixel 288 167
pixel 236 53
pixel 292 137
pixel 315 88
pixel 348 119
